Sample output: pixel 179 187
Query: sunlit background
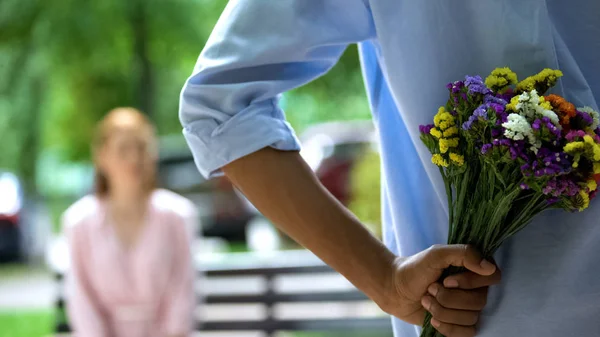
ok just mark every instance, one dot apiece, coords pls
pixel 65 63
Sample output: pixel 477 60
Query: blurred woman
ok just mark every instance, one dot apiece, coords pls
pixel 131 269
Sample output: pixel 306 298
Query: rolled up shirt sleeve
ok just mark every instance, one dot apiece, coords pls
pixel 258 50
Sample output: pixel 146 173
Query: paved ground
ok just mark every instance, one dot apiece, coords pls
pixel 25 287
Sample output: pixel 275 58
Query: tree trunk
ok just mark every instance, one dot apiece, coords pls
pixel 31 140
pixel 144 83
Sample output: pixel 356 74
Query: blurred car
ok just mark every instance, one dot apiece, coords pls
pixel 11 202
pixel 24 223
pixel 332 149
pixel 222 212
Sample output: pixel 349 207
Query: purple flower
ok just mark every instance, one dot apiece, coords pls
pixel 573 134
pixel 524 186
pixel 481 113
pixel 547 163
pixel 478 89
pixel 501 142
pixel 470 80
pixel 476 86
pixel 455 87
pixel 496 133
pixel 425 129
pixel 498 108
pixel 561 186
pixel 485 148
pixel 545 123
pixel 587 118
pixel 496 100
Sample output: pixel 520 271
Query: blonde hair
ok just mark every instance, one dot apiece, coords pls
pixel 114 120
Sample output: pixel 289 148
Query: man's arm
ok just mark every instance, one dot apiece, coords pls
pixel 283 187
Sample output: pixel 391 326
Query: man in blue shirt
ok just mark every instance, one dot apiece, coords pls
pixel 409 51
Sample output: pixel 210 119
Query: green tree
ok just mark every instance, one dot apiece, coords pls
pixel 365 182
pixel 65 63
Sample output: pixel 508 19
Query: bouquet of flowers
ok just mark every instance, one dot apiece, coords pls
pixel 506 152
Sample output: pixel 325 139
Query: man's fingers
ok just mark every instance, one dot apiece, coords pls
pixel 449 316
pixel 470 280
pixel 443 256
pixel 458 298
pixel 451 330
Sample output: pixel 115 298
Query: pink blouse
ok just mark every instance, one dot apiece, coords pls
pixel 145 291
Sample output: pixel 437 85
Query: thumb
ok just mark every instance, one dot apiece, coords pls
pixel 443 256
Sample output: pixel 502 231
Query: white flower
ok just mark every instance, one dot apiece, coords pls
pixel 518 128
pixel 594 114
pixel 529 107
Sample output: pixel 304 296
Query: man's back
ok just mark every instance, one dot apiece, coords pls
pixel 549 285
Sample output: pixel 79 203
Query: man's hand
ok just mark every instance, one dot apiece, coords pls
pixel 455 304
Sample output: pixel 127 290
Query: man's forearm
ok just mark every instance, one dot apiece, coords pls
pixel 285 190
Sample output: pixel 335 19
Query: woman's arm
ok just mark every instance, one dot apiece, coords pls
pixel 180 296
pixel 83 309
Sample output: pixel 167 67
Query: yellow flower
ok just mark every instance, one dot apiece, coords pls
pixel 443 119
pixel 451 131
pixel 585 199
pixel 500 79
pixel 436 120
pixel 447 143
pixel 545 104
pixel 591 184
pixel 438 160
pixel 589 141
pixel 457 158
pixel 573 147
pixel 436 133
pixel 513 104
pixel 438 117
pixel 446 124
pixel 541 81
pixel 596 168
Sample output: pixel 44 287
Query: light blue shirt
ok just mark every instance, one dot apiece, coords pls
pixel 409 51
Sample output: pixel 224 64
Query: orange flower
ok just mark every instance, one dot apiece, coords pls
pixel 565 109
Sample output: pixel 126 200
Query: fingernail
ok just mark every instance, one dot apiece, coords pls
pixel 433 290
pixel 485 264
pixel 435 322
pixel 450 283
pixel 426 302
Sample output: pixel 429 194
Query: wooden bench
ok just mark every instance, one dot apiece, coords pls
pixel 271 269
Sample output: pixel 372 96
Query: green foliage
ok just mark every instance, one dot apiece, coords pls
pixel 340 95
pixel 65 63
pixel 365 180
pixel 26 323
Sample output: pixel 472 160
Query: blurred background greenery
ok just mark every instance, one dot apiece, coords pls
pixel 64 63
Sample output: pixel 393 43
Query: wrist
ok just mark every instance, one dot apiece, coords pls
pixel 384 291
